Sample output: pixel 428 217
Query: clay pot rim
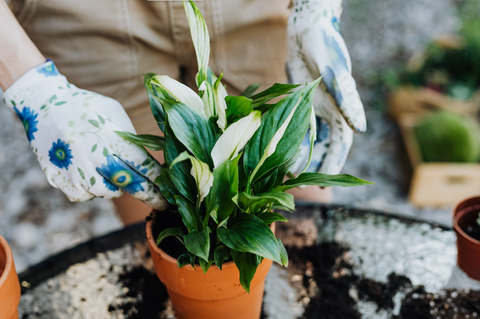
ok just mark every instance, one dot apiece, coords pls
pixel 457 215
pixel 8 262
pixel 174 260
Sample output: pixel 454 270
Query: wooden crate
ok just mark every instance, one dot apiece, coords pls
pixel 436 184
pixel 408 100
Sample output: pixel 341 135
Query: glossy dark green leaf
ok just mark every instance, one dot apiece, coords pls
pixel 189 214
pixel 180 173
pixel 250 90
pixel 186 259
pixel 284 169
pixel 192 129
pixel 271 217
pixel 237 107
pixel 247 264
pixel 283 253
pixel 224 211
pixel 155 103
pixel 225 184
pixel 276 90
pixel 322 180
pixel 256 202
pixel 248 233
pixel 221 255
pixel 205 265
pixel 166 186
pixel 153 142
pixel 176 232
pixel 198 243
pixel 292 138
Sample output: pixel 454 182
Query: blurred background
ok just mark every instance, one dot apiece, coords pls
pixel 382 36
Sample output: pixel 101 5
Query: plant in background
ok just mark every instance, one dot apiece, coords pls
pixel 226 158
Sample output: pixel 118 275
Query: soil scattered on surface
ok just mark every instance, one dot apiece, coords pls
pixel 334 290
pixel 144 297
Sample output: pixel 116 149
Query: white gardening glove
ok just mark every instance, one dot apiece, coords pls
pixel 316 48
pixel 72 133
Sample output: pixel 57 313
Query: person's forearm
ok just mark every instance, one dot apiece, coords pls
pixel 18 54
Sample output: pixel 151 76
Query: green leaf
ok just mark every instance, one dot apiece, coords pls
pixel 292 137
pixel 71 123
pixel 105 152
pixel 186 259
pixel 283 253
pixel 237 107
pixel 322 180
pixel 225 184
pixel 247 265
pixel 60 103
pixel 189 214
pixel 94 148
pixel 84 115
pixel 222 254
pixel 166 186
pixel 270 217
pixel 52 99
pixel 205 264
pixel 180 173
pixel 250 90
pixel 192 129
pixel 248 233
pixel 94 123
pixel 92 181
pixel 256 203
pixel 278 89
pixel 102 120
pixel 200 38
pixel 224 211
pixel 155 103
pixel 82 174
pixel 198 243
pixel 153 142
pixel 176 232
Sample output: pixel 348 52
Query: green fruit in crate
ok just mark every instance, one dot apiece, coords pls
pixel 448 137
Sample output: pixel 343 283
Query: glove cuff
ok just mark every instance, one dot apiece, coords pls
pixel 33 85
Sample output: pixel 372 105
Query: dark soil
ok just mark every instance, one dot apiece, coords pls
pixel 473 231
pixel 168 219
pixel 334 278
pixel 450 304
pixel 147 291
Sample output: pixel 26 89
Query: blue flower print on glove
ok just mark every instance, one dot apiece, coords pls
pixel 118 174
pixel 28 118
pixel 47 69
pixel 337 57
pixel 60 154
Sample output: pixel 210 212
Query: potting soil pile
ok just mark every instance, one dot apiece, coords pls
pixel 343 264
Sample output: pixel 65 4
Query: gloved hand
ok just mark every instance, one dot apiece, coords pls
pixel 316 48
pixel 72 133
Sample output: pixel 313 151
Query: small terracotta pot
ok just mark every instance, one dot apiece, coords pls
pixel 9 285
pixel 468 258
pixel 217 294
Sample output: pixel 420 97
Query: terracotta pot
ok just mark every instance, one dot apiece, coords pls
pixel 217 294
pixel 9 285
pixel 468 259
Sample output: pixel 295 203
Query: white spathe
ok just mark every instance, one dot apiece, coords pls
pixel 203 177
pixel 235 137
pixel 179 91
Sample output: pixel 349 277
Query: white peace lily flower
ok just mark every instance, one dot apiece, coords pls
pixel 313 127
pixel 179 91
pixel 221 105
pixel 279 134
pixel 208 99
pixel 203 177
pixel 235 137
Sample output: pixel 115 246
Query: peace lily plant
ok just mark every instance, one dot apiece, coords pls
pixel 226 159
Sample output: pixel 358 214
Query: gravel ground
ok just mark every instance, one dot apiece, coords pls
pixel 38 220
